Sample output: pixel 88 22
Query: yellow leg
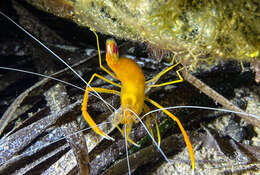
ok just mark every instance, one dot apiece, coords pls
pixel 162 73
pixel 103 78
pixel 186 138
pixel 148 124
pixel 85 113
pixel 99 56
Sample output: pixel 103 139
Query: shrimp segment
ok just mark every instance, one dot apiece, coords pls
pixel 133 86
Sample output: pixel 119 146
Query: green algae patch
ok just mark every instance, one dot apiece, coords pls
pixel 193 30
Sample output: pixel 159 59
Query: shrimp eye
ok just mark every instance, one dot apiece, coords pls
pixel 111 49
pixel 115 49
pixel 111 46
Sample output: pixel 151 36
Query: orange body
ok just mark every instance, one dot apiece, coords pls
pixel 133 86
pixel 132 81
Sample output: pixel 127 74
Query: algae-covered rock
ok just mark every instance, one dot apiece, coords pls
pixel 194 29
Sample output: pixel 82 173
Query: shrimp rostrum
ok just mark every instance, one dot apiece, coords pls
pixel 133 86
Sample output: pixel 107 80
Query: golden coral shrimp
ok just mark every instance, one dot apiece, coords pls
pixel 133 86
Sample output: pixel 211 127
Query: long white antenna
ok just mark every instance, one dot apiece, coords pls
pixel 56 79
pixel 203 107
pixel 42 75
pixel 54 54
pixel 127 157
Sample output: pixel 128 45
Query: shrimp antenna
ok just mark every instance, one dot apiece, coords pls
pixel 205 108
pixel 127 156
pixel 53 78
pixel 53 53
pixel 42 75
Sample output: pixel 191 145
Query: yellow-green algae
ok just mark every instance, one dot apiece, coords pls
pixel 191 29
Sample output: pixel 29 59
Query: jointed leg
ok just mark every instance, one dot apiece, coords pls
pixel 99 56
pixel 103 78
pixel 148 124
pixel 85 113
pixel 186 138
pixel 162 73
